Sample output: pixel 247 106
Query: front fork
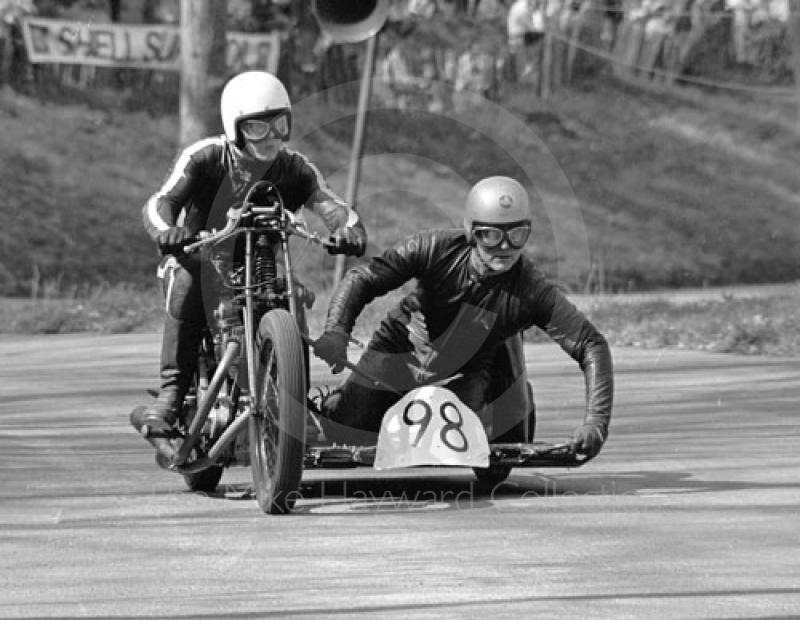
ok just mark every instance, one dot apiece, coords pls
pixel 230 357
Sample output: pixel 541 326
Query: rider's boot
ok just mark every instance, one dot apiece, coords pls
pixel 178 361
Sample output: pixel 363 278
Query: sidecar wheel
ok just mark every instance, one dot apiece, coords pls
pixel 492 475
pixel 278 426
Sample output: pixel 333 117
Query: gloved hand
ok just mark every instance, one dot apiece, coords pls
pixel 331 347
pixel 172 240
pixel 589 438
pixel 347 240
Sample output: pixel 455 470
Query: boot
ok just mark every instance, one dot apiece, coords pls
pixel 179 348
pixel 342 432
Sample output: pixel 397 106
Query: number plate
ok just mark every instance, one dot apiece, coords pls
pixel 431 426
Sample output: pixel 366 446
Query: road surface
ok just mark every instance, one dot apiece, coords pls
pixel 691 511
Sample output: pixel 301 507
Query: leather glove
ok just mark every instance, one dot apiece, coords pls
pixel 589 438
pixel 347 240
pixel 172 240
pixel 331 347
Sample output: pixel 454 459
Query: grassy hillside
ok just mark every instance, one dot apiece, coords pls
pixel 74 180
pixel 633 189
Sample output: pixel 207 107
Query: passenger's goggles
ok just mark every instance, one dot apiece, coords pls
pixel 493 236
pixel 256 129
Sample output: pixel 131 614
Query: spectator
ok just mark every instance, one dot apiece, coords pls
pixel 525 27
pixel 474 79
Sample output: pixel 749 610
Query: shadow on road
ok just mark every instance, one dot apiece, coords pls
pixel 464 492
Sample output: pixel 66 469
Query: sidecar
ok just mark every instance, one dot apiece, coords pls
pixel 430 426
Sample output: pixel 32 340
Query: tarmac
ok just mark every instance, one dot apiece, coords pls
pixel 692 510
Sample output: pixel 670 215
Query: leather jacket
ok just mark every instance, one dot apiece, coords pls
pixel 463 316
pixel 211 175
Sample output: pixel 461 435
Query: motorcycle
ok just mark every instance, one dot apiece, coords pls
pixel 247 403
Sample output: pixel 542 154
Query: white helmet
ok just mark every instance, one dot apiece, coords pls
pixel 496 200
pixel 249 95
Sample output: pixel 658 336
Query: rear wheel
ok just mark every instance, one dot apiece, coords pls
pixel 277 426
pixel 530 432
pixel 206 480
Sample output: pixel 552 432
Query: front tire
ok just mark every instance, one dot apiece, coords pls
pixel 278 423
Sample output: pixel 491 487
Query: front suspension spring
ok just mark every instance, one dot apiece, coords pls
pixel 265 272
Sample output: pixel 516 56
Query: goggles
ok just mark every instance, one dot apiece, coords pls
pixel 491 236
pixel 256 129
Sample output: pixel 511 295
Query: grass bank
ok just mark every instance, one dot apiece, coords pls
pixel 633 189
pixel 767 326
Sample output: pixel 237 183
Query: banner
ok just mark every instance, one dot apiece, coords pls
pixel 141 46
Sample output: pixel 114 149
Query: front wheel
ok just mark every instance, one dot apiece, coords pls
pixel 277 426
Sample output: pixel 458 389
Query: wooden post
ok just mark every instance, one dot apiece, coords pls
pixel 6 53
pixel 633 48
pixel 547 55
pixel 576 28
pixel 203 68
pixel 557 51
pixel 624 32
pixel 650 54
pixel 794 34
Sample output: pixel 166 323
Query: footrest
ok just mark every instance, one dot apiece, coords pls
pixel 537 454
pixel 329 458
pixel 163 443
pixel 339 457
pixel 150 428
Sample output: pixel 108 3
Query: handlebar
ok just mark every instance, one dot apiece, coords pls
pixel 207 238
pixel 295 226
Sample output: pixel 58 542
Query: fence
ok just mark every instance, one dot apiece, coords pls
pixel 698 37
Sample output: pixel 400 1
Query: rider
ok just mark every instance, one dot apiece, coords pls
pixel 208 178
pixel 475 289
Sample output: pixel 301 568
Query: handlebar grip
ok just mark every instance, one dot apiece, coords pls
pixel 193 246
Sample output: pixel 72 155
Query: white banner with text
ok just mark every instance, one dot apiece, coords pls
pixel 139 46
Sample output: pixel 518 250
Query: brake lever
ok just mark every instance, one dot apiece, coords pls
pixel 205 237
pixel 301 231
pixel 313 238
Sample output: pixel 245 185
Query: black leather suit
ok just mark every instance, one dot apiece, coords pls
pixel 453 322
pixel 207 179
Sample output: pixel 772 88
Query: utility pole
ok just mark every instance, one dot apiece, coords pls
pixel 203 68
pixel 794 37
pixel 354 171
